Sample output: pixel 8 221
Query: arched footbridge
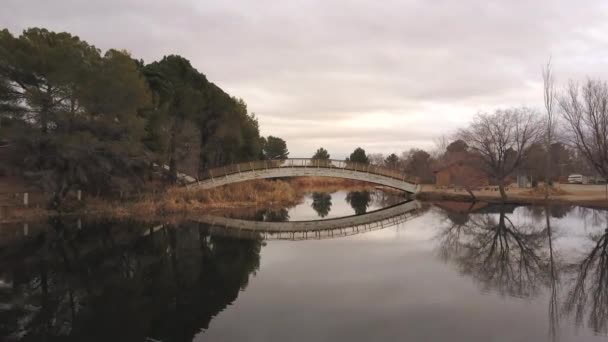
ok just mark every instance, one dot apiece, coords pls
pixel 303 167
pixel 311 230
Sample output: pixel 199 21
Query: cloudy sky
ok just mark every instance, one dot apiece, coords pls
pixel 384 75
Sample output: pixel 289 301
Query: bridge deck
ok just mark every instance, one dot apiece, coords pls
pixel 308 167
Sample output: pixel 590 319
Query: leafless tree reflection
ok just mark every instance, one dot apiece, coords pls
pixel 385 199
pixel 588 296
pixel 503 257
pixel 521 259
pixel 553 280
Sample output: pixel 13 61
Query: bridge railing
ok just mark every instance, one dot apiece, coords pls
pixel 309 163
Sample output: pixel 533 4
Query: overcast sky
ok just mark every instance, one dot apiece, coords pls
pixel 384 75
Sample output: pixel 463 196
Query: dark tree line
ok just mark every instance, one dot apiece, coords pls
pixel 99 121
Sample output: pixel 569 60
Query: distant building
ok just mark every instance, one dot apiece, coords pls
pixel 524 180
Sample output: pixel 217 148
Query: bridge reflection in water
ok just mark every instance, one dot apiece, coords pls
pixel 315 230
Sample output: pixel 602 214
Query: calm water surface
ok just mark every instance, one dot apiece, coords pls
pixel 458 272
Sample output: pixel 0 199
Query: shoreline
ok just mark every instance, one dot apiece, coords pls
pixel 562 194
pixel 186 203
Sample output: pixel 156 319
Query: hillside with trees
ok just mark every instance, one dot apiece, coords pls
pixel 78 117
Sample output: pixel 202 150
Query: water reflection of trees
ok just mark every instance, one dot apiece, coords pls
pixel 272 215
pixel 553 273
pixel 497 253
pixel 103 284
pixel 321 203
pixel 594 217
pixel 383 199
pixel 519 260
pixel 359 201
pixel 588 295
pixel 538 213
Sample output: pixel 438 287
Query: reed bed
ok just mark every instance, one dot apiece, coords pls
pixel 191 201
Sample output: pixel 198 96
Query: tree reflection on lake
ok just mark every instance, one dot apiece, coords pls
pixel 321 203
pixel 108 285
pixel 588 293
pixel 130 281
pixel 497 253
pixel 520 259
pixel 272 215
pixel 359 201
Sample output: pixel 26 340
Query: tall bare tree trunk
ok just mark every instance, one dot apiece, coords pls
pixel 554 279
pixel 501 188
pixel 468 189
pixel 549 97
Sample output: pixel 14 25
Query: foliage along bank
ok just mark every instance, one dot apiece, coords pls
pixel 80 118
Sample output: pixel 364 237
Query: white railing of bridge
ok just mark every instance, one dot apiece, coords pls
pixel 260 165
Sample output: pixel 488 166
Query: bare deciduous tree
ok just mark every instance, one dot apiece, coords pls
pixel 501 140
pixel 550 119
pixel 440 145
pixel 585 110
pixel 376 159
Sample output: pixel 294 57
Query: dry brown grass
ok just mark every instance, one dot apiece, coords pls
pixel 540 191
pixel 191 201
pixel 252 192
pixel 180 200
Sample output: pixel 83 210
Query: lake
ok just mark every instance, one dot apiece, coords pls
pixel 455 271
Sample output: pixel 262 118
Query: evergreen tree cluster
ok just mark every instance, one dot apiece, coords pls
pixel 100 121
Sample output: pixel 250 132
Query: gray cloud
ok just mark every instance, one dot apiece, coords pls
pixel 384 75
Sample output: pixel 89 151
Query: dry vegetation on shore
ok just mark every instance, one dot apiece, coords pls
pixel 180 200
pixel 327 184
pixel 587 195
pixel 192 201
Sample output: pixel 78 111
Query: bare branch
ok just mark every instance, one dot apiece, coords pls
pixel 585 111
pixel 501 140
